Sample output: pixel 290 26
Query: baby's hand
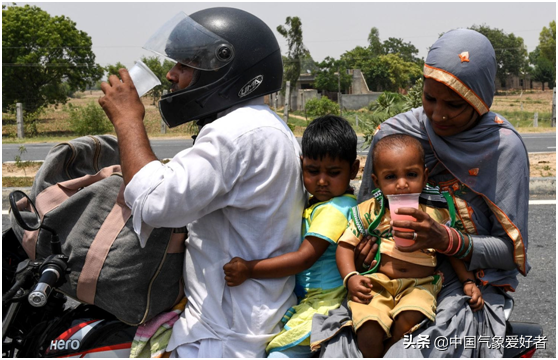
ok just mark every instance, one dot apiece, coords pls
pixel 359 288
pixel 476 303
pixel 236 271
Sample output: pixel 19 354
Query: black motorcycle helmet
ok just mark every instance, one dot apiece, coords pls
pixel 236 55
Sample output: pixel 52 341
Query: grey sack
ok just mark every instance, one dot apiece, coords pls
pixel 78 192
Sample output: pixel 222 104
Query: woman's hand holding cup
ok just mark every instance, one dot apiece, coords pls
pixel 429 234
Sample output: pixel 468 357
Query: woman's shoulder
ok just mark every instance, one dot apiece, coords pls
pixel 507 132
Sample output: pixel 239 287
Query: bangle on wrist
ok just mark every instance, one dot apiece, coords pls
pixel 462 244
pixel 459 242
pixel 469 281
pixel 468 248
pixel 450 240
pixel 348 276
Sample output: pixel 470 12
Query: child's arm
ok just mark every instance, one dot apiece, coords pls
pixel 358 286
pixel 470 288
pixel 239 270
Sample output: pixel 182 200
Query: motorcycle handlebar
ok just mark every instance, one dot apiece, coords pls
pixel 51 272
pixel 39 296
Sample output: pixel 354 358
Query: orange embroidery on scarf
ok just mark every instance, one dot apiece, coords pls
pixel 464 56
pixel 497 120
pixel 455 186
pixel 474 172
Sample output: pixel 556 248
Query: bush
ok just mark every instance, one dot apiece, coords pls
pixel 388 102
pixel 88 120
pixel 321 107
pixel 414 97
pixel 30 120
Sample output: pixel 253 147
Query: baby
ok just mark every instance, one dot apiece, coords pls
pixel 390 302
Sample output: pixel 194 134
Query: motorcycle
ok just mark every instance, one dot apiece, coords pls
pixel 38 320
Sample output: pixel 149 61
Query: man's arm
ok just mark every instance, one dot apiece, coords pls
pixel 126 111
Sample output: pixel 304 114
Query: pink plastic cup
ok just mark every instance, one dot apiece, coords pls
pixel 399 201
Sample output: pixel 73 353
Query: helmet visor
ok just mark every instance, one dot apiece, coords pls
pixel 183 40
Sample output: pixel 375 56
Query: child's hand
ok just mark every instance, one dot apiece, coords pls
pixel 359 288
pixel 476 303
pixel 236 271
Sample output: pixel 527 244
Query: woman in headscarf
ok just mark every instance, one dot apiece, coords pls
pixel 480 159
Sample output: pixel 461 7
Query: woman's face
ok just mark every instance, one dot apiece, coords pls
pixel 448 113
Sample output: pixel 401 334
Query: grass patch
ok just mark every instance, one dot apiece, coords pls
pixel 522 119
pixel 17 181
pixel 53 125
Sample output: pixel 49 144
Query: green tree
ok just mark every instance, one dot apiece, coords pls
pixel 406 50
pixel 363 59
pixel 387 66
pixel 296 49
pixel 391 73
pixel 511 55
pixel 543 70
pixel 113 69
pixel 547 42
pixel 327 76
pixel 43 58
pixel 374 43
pixel 160 69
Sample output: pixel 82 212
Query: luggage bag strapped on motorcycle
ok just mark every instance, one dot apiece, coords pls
pixel 79 192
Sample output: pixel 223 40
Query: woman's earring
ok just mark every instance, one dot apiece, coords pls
pixel 444 118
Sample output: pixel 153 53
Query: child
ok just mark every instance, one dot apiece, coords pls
pixel 392 301
pixel 328 164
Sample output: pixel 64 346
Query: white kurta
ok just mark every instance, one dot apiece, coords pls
pixel 240 190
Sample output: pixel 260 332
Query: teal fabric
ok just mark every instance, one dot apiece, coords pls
pixel 323 274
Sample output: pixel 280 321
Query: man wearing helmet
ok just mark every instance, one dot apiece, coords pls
pixel 238 188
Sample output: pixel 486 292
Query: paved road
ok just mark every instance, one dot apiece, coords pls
pixel 535 298
pixel 541 142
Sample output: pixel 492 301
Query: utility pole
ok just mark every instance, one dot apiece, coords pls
pixel 19 120
pixel 553 120
pixel 287 101
pixel 339 92
pixel 163 125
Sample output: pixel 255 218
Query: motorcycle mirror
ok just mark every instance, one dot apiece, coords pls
pixel 24 211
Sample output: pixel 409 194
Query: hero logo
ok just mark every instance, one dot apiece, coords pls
pixel 72 344
pixel 250 86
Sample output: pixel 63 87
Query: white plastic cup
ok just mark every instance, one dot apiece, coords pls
pixel 399 201
pixel 143 78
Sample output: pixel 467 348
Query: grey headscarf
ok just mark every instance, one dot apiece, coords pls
pixel 489 158
pixel 464 60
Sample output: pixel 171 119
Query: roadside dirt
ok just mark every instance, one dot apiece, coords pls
pixel 542 165
pixel 23 170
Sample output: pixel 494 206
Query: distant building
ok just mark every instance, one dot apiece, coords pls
pixel 522 82
pixel 357 96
